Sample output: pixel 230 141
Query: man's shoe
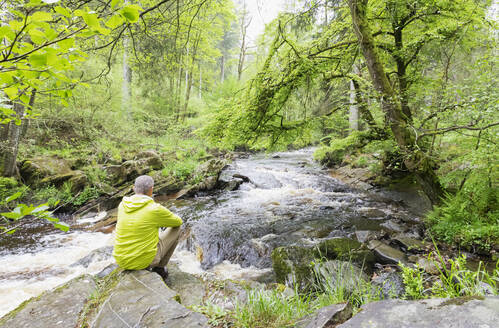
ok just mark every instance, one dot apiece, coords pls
pixel 161 271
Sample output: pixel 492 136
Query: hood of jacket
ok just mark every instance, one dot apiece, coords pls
pixel 135 202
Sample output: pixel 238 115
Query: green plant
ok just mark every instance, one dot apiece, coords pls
pixel 470 218
pixel 413 281
pixel 271 308
pixel 217 315
pixel 342 282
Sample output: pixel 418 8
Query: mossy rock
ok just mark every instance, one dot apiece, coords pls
pixel 346 249
pixel 293 264
pixel 36 169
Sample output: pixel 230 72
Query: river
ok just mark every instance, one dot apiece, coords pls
pixel 286 199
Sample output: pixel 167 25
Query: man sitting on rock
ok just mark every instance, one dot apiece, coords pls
pixel 138 243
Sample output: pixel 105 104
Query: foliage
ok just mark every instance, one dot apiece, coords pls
pixel 338 148
pixel 470 218
pixel 455 279
pixel 22 210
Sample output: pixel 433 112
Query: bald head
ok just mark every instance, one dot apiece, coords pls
pixel 143 185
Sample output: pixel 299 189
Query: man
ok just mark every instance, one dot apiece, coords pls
pixel 138 242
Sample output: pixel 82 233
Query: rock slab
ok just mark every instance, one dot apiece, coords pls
pixel 141 299
pixel 466 312
pixel 56 308
pixel 327 317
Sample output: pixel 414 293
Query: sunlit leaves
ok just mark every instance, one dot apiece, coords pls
pixel 42 43
pixel 131 13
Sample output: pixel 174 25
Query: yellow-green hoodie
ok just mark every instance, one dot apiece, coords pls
pixel 139 219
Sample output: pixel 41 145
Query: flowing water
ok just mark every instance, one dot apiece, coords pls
pixel 286 199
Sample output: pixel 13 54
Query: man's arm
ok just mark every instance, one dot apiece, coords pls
pixel 165 218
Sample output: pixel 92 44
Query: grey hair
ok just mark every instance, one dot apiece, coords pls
pixel 143 184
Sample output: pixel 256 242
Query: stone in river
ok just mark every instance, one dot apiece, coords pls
pixel 56 308
pixel 386 254
pixel 392 226
pixel 465 312
pixel 409 243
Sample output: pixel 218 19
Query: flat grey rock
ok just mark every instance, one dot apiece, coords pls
pixel 327 316
pixel 141 299
pixel 386 254
pixel 478 312
pixel 190 288
pixel 55 308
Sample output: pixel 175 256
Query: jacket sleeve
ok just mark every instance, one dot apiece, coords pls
pixel 165 218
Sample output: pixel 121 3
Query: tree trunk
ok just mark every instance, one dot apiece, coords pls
pixel 222 69
pixel 12 145
pixel 414 159
pixel 127 80
pixel 353 117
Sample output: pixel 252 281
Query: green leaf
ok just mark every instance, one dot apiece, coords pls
pixel 16 25
pixel 13 197
pixel 115 21
pixel 91 20
pixel 115 3
pixel 37 36
pixel 38 60
pixel 11 92
pixel 62 226
pixel 63 11
pixel 66 44
pixel 131 13
pixel 41 16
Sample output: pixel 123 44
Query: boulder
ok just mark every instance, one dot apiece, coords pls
pixel 391 285
pixel 35 169
pixel 141 299
pixel 386 254
pixel 293 264
pixel 190 289
pixel 407 243
pixel 346 249
pixel 328 316
pixel 55 308
pixel 97 255
pixel 466 312
pixel 365 236
pixel 392 226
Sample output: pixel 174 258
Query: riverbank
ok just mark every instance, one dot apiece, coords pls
pixel 275 219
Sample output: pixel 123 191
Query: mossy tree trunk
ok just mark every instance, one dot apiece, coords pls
pixel 397 121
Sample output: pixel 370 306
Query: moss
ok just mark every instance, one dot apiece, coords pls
pixel 104 287
pixel 293 262
pixel 345 249
pixel 460 300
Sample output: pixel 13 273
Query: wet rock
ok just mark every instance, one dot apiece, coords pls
pixel 56 308
pixel 292 265
pixel 97 255
pixel 392 226
pixel 141 299
pixel 346 249
pixel 364 236
pixel 190 289
pixel 386 254
pixel 408 243
pixel 467 312
pixel 391 284
pixel 233 184
pixel 240 176
pixel 326 317
pixel 372 213
pixel 213 167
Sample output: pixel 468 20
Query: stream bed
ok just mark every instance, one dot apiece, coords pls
pixel 282 199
